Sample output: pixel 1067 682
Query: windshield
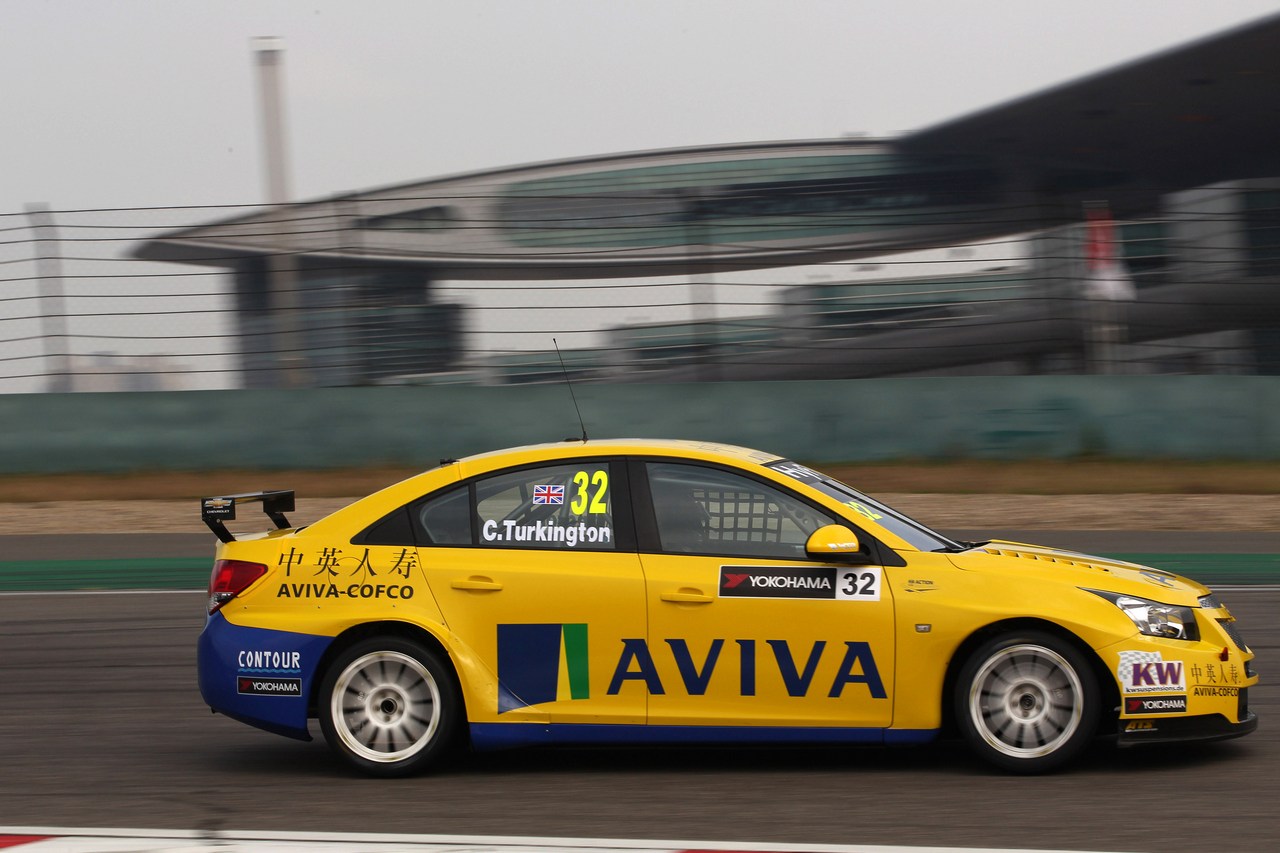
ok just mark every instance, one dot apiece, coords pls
pixel 909 530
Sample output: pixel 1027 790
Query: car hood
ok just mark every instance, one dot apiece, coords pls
pixel 1083 570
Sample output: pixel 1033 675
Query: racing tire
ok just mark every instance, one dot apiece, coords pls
pixel 1027 702
pixel 388 707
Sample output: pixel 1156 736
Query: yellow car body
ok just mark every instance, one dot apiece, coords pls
pixel 685 592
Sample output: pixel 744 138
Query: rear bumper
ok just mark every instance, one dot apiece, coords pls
pixel 257 676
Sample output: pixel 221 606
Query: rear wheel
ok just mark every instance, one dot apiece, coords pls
pixel 1027 702
pixel 389 707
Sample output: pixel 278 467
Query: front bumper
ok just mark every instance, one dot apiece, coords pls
pixel 1211 727
pixel 1173 690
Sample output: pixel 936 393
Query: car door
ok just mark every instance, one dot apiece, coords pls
pixel 744 628
pixel 535 571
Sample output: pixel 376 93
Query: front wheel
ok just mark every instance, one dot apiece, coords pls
pixel 1027 702
pixel 389 707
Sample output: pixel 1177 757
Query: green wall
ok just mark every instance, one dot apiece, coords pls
pixel 1190 417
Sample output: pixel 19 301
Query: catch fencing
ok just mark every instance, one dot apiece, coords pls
pixel 1191 290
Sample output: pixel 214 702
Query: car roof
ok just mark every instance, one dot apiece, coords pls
pixel 625 447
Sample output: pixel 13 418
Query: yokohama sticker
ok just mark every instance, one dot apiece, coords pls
pixel 860 583
pixel 250 685
pixel 1155 704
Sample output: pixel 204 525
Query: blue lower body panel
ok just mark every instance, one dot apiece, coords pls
pixel 493 736
pixel 258 676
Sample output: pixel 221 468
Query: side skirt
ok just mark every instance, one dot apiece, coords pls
pixel 494 736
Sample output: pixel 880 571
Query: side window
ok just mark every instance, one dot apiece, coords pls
pixel 446 519
pixel 563 507
pixel 702 510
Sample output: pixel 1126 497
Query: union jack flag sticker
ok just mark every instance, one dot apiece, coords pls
pixel 548 494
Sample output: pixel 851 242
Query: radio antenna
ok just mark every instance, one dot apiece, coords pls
pixel 572 396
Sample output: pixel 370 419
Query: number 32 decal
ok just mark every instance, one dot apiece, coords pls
pixel 860 584
pixel 590 495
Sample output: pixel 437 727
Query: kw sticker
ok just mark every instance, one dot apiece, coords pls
pixel 1149 672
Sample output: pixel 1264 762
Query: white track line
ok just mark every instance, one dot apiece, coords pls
pixel 81 840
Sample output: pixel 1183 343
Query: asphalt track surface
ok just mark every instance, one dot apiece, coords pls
pixel 101 724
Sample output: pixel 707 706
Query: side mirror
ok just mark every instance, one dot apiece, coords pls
pixel 833 542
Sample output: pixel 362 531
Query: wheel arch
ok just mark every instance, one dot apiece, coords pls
pixel 1109 694
pixel 388 628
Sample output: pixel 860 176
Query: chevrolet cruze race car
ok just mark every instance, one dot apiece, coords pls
pixel 623 592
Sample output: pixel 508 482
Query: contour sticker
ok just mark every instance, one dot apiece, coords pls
pixel 269 661
pixel 268 672
pixel 816 582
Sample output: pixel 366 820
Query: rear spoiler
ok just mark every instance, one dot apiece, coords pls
pixel 217 511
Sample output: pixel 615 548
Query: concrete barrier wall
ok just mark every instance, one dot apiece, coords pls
pixel 1188 417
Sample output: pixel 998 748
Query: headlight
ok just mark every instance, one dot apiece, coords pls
pixel 1155 619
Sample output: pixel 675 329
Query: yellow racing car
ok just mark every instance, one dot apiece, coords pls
pixel 673 592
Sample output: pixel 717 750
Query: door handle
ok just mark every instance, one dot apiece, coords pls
pixel 477 584
pixel 690 597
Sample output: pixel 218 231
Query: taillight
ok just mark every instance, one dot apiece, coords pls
pixel 230 578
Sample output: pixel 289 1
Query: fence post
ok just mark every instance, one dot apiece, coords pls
pixel 53 319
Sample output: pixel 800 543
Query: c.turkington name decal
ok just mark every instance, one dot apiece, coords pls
pixel 854 583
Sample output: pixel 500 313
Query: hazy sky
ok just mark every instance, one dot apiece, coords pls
pixel 153 102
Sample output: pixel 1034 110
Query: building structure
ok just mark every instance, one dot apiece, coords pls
pixel 368 265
